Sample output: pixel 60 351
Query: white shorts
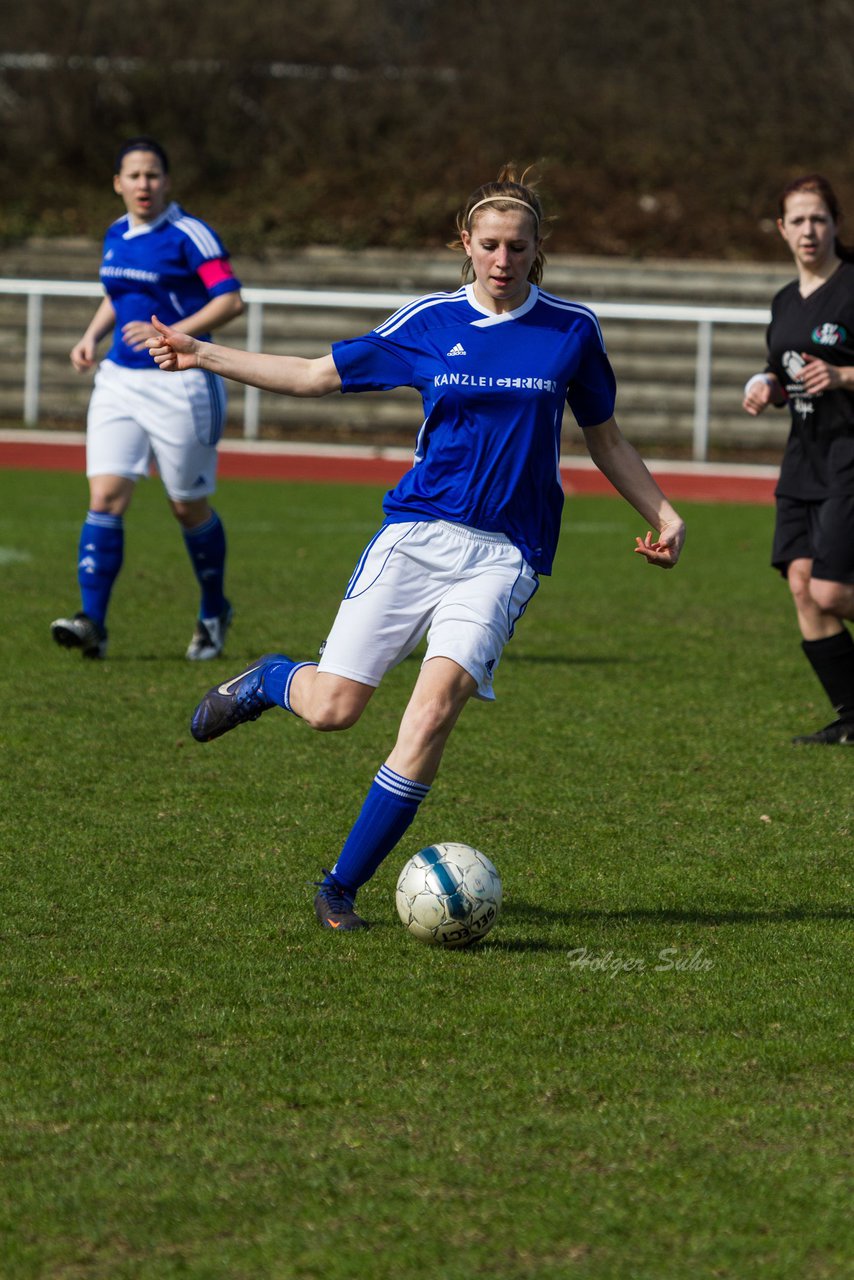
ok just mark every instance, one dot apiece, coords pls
pixel 137 416
pixel 464 588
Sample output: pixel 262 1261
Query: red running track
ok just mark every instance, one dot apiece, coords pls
pixel 698 482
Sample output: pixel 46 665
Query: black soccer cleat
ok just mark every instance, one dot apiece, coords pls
pixel 233 702
pixel 838 734
pixel 81 632
pixel 333 906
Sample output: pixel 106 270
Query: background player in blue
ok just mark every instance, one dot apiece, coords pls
pixel 156 258
pixel 811 367
pixel 468 529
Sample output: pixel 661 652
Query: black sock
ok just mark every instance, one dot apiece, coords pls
pixel 832 659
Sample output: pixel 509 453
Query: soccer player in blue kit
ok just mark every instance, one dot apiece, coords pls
pixel 468 530
pixel 156 258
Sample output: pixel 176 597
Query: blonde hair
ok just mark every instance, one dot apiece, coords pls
pixel 505 194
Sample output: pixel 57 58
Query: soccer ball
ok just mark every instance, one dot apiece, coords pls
pixel 449 894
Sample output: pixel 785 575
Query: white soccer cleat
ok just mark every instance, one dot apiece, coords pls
pixel 80 632
pixel 209 636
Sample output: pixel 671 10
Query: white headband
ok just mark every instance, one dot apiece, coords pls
pixel 512 199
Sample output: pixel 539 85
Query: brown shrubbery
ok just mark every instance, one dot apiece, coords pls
pixel 660 129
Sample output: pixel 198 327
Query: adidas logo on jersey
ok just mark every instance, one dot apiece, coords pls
pixel 457 350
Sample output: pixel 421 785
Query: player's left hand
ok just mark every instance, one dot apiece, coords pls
pixel 817 375
pixel 665 548
pixel 137 332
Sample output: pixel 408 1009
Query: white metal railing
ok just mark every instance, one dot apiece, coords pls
pixel 705 318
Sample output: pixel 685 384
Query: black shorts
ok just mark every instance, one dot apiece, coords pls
pixel 819 531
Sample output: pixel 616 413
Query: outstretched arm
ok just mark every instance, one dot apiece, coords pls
pixel 624 467
pixel 286 375
pixel 215 313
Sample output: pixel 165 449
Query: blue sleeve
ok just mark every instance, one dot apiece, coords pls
pixel 372 363
pixel 206 255
pixel 592 392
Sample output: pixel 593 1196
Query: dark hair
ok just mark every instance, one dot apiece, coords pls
pixel 141 144
pixel 506 194
pixel 816 184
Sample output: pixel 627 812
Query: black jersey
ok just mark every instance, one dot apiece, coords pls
pixel 819 456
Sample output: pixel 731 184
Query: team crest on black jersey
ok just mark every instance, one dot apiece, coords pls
pixel 828 335
pixel 793 362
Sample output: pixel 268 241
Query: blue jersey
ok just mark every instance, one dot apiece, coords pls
pixel 493 388
pixel 169 268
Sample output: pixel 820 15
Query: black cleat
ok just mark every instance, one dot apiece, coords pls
pixel 81 632
pixel 333 906
pixel 838 734
pixel 233 702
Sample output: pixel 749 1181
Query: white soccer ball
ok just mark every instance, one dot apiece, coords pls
pixel 449 894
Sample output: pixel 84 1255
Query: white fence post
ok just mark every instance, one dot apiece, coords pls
pixel 33 359
pixel 252 402
pixel 702 390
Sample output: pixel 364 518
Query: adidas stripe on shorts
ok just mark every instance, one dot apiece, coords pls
pixel 140 416
pixel 463 588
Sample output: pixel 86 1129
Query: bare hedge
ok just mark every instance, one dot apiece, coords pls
pixel 659 129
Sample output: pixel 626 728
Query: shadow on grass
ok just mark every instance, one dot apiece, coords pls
pixel 530 912
pixel 511 945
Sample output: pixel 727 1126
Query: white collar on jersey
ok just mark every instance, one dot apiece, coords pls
pixel 143 228
pixel 490 317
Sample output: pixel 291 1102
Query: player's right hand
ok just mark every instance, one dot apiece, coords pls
pixel 83 355
pixel 758 394
pixel 757 399
pixel 172 350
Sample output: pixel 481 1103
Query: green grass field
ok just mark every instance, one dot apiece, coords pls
pixel 643 1071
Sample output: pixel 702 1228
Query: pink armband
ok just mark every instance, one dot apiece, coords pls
pixel 214 271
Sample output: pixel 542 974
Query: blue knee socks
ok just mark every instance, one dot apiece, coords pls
pixel 206 548
pixel 277 680
pixel 390 806
pixel 99 559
